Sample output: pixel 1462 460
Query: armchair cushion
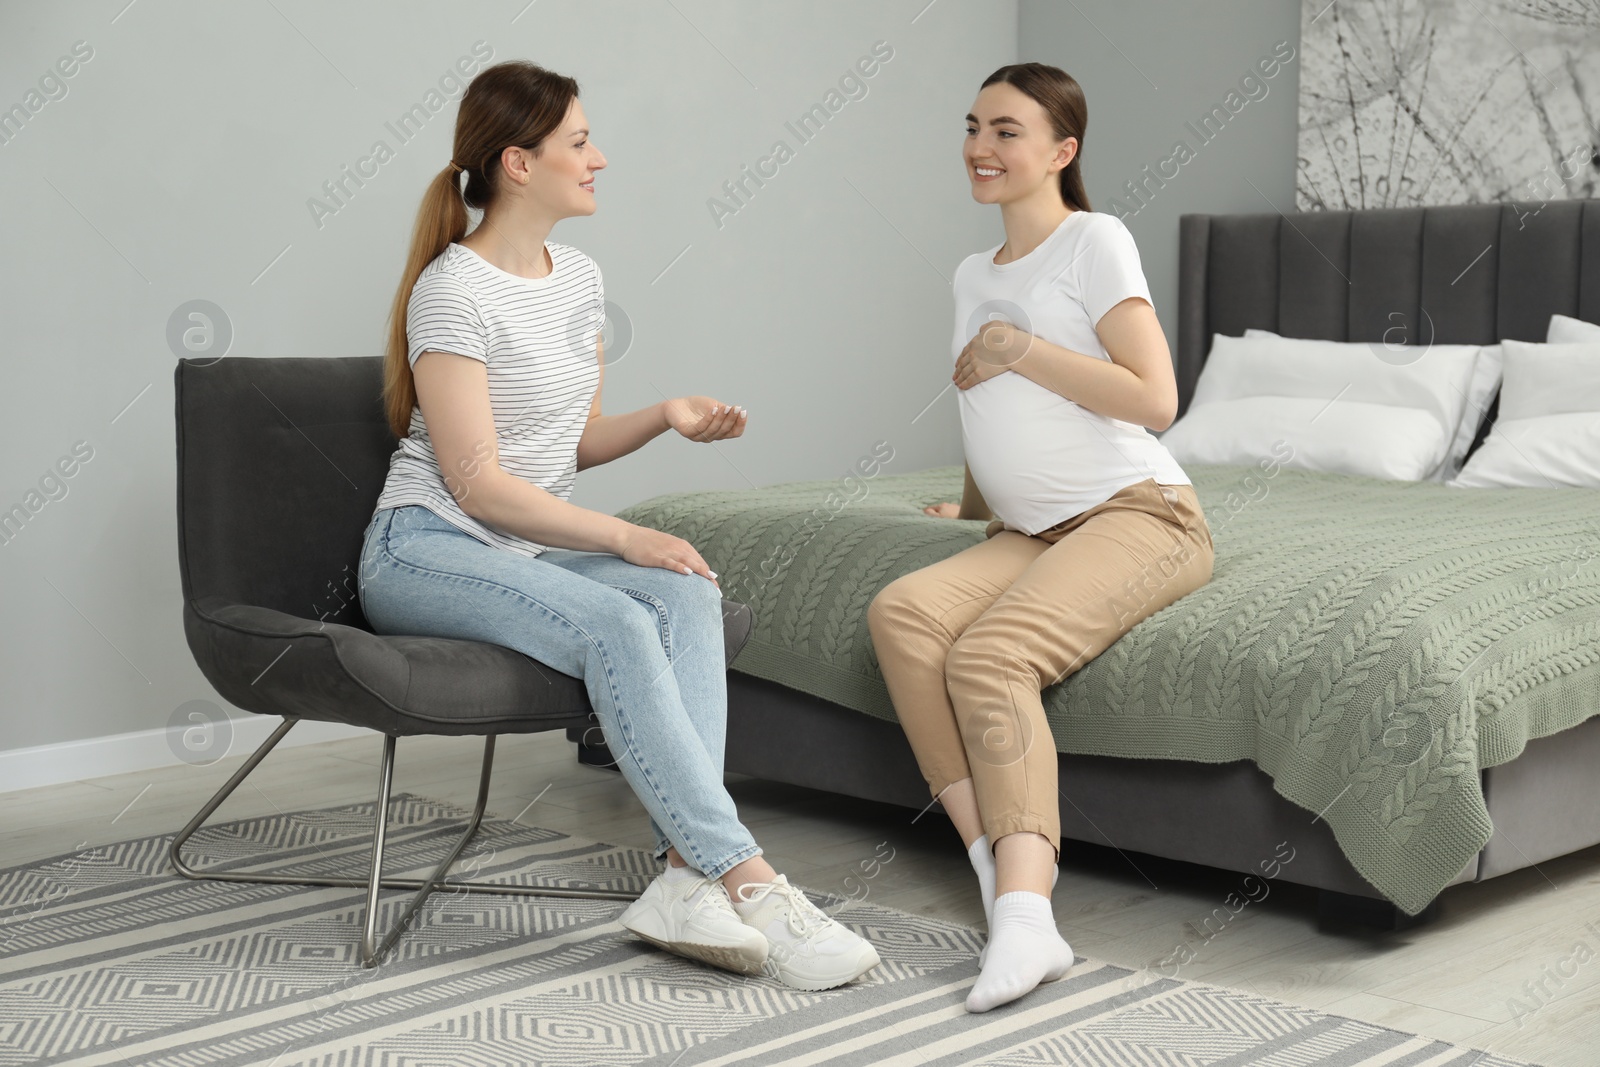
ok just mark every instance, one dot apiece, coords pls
pixel 274 663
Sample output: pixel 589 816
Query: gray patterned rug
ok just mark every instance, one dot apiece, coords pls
pixel 107 958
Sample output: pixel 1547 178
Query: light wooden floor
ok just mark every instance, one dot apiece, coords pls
pixel 1525 935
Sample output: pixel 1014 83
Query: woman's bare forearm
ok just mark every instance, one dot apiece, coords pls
pixel 506 502
pixel 607 437
pixel 1102 386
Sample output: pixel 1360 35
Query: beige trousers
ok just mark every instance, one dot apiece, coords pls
pixel 967 644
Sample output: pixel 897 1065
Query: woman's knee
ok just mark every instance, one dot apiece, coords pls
pixel 984 672
pixel 700 592
pixel 689 592
pixel 687 602
pixel 980 650
pixel 896 605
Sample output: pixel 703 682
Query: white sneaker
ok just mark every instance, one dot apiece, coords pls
pixel 693 917
pixel 809 950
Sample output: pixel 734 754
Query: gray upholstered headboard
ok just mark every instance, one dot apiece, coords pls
pixel 1478 272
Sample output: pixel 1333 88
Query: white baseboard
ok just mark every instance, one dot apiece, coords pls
pixel 143 750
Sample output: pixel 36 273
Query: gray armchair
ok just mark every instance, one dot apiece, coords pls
pixel 280 463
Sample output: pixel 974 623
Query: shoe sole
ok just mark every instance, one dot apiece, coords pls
pixel 647 925
pixel 728 957
pixel 813 984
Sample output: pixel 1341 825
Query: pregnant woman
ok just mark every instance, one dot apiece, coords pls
pixel 492 383
pixel 1061 365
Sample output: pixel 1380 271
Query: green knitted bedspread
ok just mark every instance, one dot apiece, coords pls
pixel 1369 644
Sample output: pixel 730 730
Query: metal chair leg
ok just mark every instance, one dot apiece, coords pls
pixel 375 880
pixel 380 832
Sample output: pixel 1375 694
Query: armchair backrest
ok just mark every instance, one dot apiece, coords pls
pixel 280 463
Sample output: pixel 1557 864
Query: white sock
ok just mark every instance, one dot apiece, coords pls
pixel 679 874
pixel 1025 948
pixel 983 862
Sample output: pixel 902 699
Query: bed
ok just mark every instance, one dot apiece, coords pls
pixel 1400 679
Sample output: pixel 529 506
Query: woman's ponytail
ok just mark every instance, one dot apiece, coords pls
pixel 512 103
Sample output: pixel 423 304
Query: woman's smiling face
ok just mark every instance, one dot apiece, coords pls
pixel 1010 150
pixel 563 172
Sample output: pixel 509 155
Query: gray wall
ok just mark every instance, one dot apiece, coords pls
pixel 176 163
pixel 1151 69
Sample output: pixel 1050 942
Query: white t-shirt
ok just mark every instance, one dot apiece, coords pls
pixel 1037 457
pixel 538 337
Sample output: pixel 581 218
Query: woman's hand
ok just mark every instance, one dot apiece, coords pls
pixel 993 350
pixel 700 418
pixel 945 510
pixel 656 548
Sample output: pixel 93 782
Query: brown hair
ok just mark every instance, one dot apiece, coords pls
pixel 1062 99
pixel 511 103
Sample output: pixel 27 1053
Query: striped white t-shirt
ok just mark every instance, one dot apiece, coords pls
pixel 537 336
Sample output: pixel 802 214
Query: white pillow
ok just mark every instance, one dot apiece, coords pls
pixel 1480 393
pixel 1435 383
pixel 1549 379
pixel 1564 330
pixel 1548 430
pixel 1542 452
pixel 1348 437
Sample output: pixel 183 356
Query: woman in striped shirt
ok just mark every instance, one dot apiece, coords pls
pixel 492 384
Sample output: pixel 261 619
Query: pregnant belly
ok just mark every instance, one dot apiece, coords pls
pixel 1024 447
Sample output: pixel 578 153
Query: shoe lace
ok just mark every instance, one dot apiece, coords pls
pixel 711 889
pixel 803 917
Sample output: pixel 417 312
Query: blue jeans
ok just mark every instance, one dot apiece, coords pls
pixel 647 643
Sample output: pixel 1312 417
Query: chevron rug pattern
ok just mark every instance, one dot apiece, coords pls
pixel 107 958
